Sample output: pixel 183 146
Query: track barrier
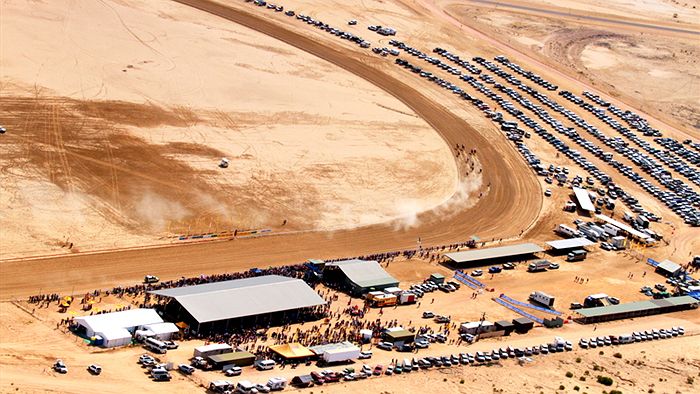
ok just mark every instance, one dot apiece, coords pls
pixel 527 305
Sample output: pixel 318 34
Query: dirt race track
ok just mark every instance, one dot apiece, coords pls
pixel 510 206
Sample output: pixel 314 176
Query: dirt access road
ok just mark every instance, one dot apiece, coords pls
pixel 511 204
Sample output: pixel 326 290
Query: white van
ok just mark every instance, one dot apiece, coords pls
pixel 264 365
pixel 155 345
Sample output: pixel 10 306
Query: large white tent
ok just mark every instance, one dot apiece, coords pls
pixel 162 331
pixel 129 320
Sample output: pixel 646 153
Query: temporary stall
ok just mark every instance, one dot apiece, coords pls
pixel 337 352
pixel 437 278
pixel 210 350
pixel 505 326
pixel 523 325
pixel 290 351
pixel 398 335
pixel 130 320
pixel 113 337
pixel 162 331
pixel 477 327
pixel 366 335
pixel 302 381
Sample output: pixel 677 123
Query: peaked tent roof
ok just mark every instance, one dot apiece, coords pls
pixel 243 297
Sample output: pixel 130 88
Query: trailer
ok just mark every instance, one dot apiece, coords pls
pixel 566 231
pixel 407 298
pixel 538 265
pixel 542 298
pixel 277 383
pixel 213 349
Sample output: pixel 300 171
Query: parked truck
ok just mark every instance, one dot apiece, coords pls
pixel 566 231
pixel 577 255
pixel 542 298
pixel 538 265
pixel 619 242
pixel 407 297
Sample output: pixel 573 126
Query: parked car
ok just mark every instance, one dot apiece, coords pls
pixel 495 270
pixel 234 371
pixel 477 273
pixel 186 369
pixel 385 345
pixel 365 354
pixel 428 315
pixel 171 344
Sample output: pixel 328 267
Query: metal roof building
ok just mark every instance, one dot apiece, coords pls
pixel 359 276
pixel 668 268
pixel 636 309
pixel 222 302
pixel 473 256
pixel 571 243
pixel 584 200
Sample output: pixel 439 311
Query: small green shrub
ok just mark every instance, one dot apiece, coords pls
pixel 569 374
pixel 605 380
pixel 561 387
pixel 617 355
pixel 576 388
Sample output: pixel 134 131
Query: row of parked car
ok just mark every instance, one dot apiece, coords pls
pixel 557 125
pixel 681 198
pixel 317 23
pixel 667 156
pixel 636 336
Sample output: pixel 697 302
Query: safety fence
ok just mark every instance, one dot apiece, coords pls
pixel 527 305
pixel 518 310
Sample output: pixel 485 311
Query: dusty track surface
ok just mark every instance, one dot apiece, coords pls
pixel 510 206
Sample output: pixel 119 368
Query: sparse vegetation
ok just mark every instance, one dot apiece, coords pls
pixel 615 392
pixel 605 380
pixel 569 374
pixel 561 387
pixel 576 388
pixel 690 380
pixel 582 378
pixel 578 360
pixel 617 355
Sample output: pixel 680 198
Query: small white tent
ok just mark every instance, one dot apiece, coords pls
pixel 113 337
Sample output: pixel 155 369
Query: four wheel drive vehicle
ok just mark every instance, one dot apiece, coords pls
pixel 186 369
pixel 262 388
pixel 428 315
pixel 576 305
pixel 495 270
pixel 264 365
pixel 221 386
pixel 508 266
pixel 60 367
pixel 199 362
pixel 365 355
pixel 385 345
pixel 477 273
pixel 422 344
pixel 553 266
pixel 150 279
pixel 160 374
pixel 547 193
pixel 442 319
pixel 352 22
pixel 234 371
pixel 146 360
pixel 94 369
pixel 171 344
pixel 378 370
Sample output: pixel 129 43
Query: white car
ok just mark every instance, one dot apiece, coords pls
pixel 186 369
pixel 422 344
pixel 365 355
pixel 477 273
pixel 233 371
pixel 385 345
